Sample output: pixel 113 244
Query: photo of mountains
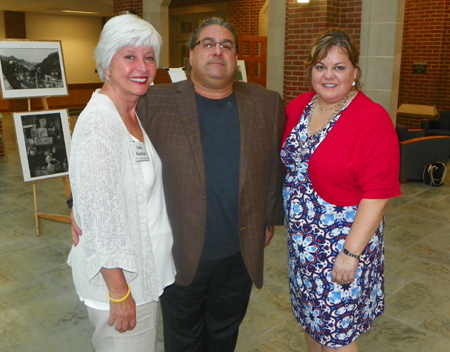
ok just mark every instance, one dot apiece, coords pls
pixel 20 73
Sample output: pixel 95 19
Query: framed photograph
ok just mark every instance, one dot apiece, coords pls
pixel 44 143
pixel 32 69
pixel 241 72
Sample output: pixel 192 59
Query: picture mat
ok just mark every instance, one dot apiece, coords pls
pixel 29 53
pixel 241 73
pixel 61 139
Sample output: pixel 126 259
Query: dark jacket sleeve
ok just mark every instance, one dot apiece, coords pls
pixel 274 209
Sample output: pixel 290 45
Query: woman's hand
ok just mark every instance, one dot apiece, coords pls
pixel 344 269
pixel 75 231
pixel 368 218
pixel 123 314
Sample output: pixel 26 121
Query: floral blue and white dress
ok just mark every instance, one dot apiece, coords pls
pixel 331 314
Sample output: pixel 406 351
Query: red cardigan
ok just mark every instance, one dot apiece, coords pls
pixel 360 156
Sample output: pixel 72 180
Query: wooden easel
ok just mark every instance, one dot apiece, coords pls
pixel 66 184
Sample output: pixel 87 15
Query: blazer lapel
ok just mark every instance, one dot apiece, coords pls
pixel 187 107
pixel 246 112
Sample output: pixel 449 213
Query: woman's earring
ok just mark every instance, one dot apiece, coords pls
pixel 353 84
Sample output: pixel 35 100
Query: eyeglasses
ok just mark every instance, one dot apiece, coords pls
pixel 208 44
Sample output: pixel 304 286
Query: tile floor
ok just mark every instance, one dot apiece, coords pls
pixel 39 310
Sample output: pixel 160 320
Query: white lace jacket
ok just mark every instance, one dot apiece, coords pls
pixel 110 206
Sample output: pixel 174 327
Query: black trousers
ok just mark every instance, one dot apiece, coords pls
pixel 205 316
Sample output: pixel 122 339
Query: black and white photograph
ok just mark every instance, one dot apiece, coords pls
pixel 32 69
pixel 44 143
pixel 241 73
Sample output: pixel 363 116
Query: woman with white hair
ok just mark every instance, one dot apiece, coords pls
pixel 123 260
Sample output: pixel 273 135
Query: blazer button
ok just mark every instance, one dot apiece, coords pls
pixel 204 197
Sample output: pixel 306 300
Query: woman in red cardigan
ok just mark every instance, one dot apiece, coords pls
pixel 342 158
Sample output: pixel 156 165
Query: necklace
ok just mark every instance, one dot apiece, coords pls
pixel 321 108
pixel 337 109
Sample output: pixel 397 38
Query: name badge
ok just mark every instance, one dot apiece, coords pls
pixel 139 151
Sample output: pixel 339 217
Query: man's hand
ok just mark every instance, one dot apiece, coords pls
pixel 75 231
pixel 270 230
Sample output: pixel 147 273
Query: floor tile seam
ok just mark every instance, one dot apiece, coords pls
pixel 16 255
pixel 435 334
pixel 400 206
pixel 399 227
pixel 423 317
pixel 273 344
pixel 386 265
pixel 434 216
pixel 415 193
pixel 265 330
pixel 418 258
pixel 283 321
pixel 441 229
pixel 412 326
pixel 431 261
pixel 416 281
pixel 402 249
pixel 444 302
pixel 430 205
pixel 37 279
pixel 266 303
pixel 31 324
pixel 394 221
pixel 257 336
pixel 10 193
pixel 436 342
pixel 37 274
pixel 422 197
pixel 394 292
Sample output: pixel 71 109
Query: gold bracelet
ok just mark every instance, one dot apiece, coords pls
pixel 121 299
pixel 351 254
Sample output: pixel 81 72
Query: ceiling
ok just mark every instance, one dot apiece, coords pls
pixel 103 8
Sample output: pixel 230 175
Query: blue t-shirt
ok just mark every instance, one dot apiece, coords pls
pixel 220 136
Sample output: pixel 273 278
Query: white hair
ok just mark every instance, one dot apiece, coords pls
pixel 121 31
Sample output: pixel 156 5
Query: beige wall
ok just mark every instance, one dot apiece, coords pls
pixel 381 48
pixel 78 36
pixel 2 25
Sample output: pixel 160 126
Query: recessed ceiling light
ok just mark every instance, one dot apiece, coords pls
pixel 82 12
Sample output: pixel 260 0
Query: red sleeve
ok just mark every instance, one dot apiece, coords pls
pixel 359 158
pixel 378 175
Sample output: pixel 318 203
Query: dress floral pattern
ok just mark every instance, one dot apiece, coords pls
pixel 332 314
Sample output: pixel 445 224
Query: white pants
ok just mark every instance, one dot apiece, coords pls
pixel 141 339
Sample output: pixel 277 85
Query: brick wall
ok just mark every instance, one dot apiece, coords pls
pixel 183 3
pixel 15 25
pixel 425 39
pixel 303 24
pixel 244 16
pixel 15 29
pixel 134 6
pixel 443 87
pixel 422 39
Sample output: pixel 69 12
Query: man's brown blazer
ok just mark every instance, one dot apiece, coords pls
pixel 169 116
